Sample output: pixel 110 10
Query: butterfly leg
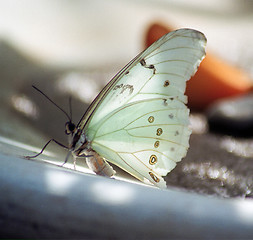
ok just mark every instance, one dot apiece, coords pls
pixel 42 150
pixel 74 162
pixel 66 160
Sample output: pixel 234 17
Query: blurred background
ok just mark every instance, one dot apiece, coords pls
pixel 99 33
pixel 73 48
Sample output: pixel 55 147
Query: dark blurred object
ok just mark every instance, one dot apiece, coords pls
pixel 232 116
pixel 14 69
pixel 215 79
pixel 18 73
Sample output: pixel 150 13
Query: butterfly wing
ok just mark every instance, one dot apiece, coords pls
pixel 139 121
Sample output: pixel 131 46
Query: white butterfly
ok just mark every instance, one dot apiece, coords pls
pixel 139 120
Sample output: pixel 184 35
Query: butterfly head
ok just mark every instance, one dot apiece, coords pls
pixel 73 133
pixel 77 140
pixel 70 128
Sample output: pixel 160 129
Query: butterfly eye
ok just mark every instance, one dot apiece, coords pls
pixel 69 127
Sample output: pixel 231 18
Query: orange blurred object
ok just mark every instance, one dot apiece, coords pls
pixel 214 79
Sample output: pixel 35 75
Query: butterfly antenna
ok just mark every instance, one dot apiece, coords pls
pixel 70 107
pixel 69 117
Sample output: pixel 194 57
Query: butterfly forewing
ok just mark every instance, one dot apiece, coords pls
pixel 140 121
pixel 185 41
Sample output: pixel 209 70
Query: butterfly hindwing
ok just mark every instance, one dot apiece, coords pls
pixel 145 136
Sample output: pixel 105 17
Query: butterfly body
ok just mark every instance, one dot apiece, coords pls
pixel 81 147
pixel 139 121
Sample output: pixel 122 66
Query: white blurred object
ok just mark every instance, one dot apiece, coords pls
pixel 77 33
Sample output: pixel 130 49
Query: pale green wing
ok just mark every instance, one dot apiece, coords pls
pixel 146 138
pixel 181 50
pixel 139 121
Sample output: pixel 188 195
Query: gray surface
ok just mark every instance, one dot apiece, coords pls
pixel 39 200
